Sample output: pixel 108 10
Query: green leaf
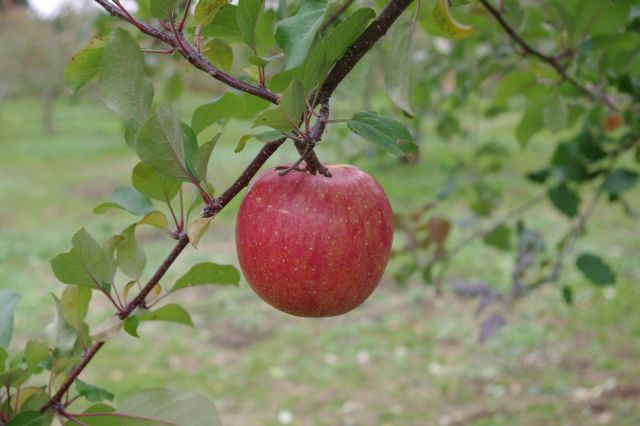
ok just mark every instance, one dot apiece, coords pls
pixel 242 143
pixel 326 52
pixel 131 258
pixel 260 61
pixel 398 64
pixel 269 136
pixel 568 162
pixel 152 184
pixel 224 25
pixel 58 334
pixel 162 9
pixel 129 199
pixel 84 65
pixel 168 313
pixel 248 13
pixel 295 34
pixel 499 238
pixel 564 199
pixel 346 33
pixel 388 134
pixel 172 87
pixel 157 219
pixel 206 10
pixel 35 401
pixel 620 180
pixel 446 23
pixel 530 124
pixel 86 264
pixel 131 325
pixel 208 273
pixel 287 115
pixel 122 84
pixel 8 302
pixel 172 407
pixel 74 305
pixel 61 364
pixel 93 393
pixel 595 269
pixel 202 156
pixel 567 295
pixel 556 114
pixel 31 418
pixel 14 377
pixel 161 144
pixel 219 53
pixel 226 106
pixel 513 83
pixel 538 176
pixel 190 147
pixel 35 352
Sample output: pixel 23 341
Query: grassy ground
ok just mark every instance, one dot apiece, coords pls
pixel 407 357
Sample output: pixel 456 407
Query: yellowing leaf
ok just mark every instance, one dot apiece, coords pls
pixel 197 230
pixel 446 23
pixel 157 219
pixel 154 293
pixel 127 289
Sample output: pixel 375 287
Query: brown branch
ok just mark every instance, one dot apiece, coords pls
pixel 244 179
pixel 178 42
pixel 54 401
pixel 551 60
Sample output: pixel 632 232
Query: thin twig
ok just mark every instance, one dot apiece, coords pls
pixel 72 419
pixel 549 59
pixel 195 58
pixel 185 16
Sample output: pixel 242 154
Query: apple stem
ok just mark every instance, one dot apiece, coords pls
pixel 307 143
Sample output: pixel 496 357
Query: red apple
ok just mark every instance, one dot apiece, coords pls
pixel 313 246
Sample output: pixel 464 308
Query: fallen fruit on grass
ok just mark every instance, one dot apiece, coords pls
pixel 313 246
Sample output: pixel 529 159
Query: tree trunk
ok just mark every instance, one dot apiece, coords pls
pixel 47 112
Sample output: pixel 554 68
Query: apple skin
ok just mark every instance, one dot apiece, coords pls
pixel 313 246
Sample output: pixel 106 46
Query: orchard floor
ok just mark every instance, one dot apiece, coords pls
pixel 407 357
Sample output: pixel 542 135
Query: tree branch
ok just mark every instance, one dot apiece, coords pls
pixel 550 60
pixel 178 42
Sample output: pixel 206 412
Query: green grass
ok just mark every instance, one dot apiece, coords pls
pixel 407 357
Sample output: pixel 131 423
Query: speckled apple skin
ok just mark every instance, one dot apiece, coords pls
pixel 313 246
